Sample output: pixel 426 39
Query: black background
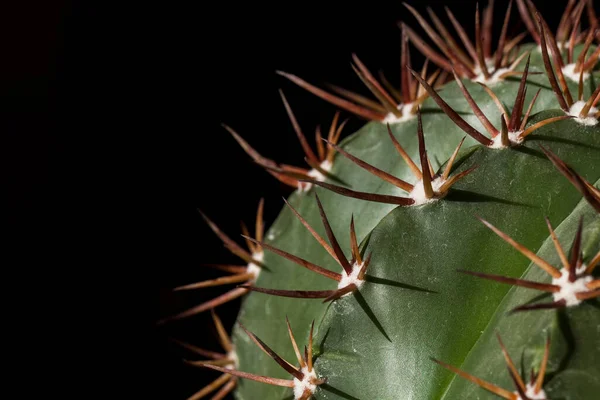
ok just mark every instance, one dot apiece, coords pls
pixel 111 133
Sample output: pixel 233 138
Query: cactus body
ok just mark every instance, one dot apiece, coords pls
pixel 422 297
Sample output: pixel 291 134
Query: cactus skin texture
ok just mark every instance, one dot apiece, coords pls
pixel 424 298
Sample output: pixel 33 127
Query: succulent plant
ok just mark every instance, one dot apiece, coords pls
pixel 459 224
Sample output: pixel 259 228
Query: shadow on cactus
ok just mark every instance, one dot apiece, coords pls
pixel 534 174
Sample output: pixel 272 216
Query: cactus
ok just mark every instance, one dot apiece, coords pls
pixel 445 250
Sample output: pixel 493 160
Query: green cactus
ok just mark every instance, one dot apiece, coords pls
pixel 473 203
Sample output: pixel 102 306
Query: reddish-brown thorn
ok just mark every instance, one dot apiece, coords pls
pixel 540 262
pixel 588 104
pixel 297 294
pixel 588 295
pixel 294 344
pixel 462 34
pixel 515 118
pixel 427 51
pixel 453 46
pixel 542 372
pixel 540 124
pixel 526 118
pixel 233 269
pixel 574 31
pixel 514 281
pixel 378 198
pixel 363 270
pixel 389 87
pixel 318 237
pixel 367 78
pixel 586 47
pixel 374 170
pixel 229 244
pixel 320 145
pixel 502 40
pixel 580 184
pixel 340 292
pixel 476 110
pixel 453 115
pixel 413 167
pixel 448 168
pixel 565 22
pixel 354 242
pixel 225 390
pixel 217 301
pixel 479 45
pixel 557 246
pixel 496 101
pixel 265 348
pixel 592 60
pixel 309 358
pixel 248 149
pixel 211 387
pixel 306 264
pixel 430 31
pixel 197 350
pixel 332 240
pixel 245 231
pixel 427 188
pixel 221 332
pixel 488 18
pixel 258 378
pixel 542 306
pixel 259 228
pixel 307 150
pixel 480 382
pixel 200 363
pixel 226 280
pixel 448 184
pixel 592 264
pixel 526 17
pixel 404 75
pixel 511 366
pixel 504 132
pixel 345 104
pixel 580 86
pixel 359 99
pixel 549 70
pixel 575 252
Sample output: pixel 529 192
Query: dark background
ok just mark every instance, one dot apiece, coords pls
pixel 111 133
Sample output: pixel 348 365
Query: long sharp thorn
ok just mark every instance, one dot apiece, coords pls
pixel 264 347
pixel 384 98
pixel 411 164
pixel 340 292
pixel 476 110
pixel 367 74
pixel 586 47
pixel 462 34
pixel 428 189
pixel 374 170
pixel 479 45
pixel 496 101
pixel 511 366
pixel 429 30
pixel 359 99
pixel 307 150
pixel 230 244
pixel 427 51
pixel 320 145
pixel 197 350
pixel 515 118
pixel 211 387
pixel 574 178
pixel 404 62
pixel 294 344
pixel 318 237
pixel 448 169
pixel 542 372
pixel 309 356
pixel 306 264
pixel 247 233
pixel 592 60
pixel 297 294
pixel 549 70
pixel 222 362
pixel 259 227
pixel 540 262
pixel 258 378
pixel 526 17
pixel 453 46
pixel 221 332
pixel 226 280
pixel 565 22
pixel 378 198
pixel 516 379
pixel 588 295
pixel 346 105
pixel 354 242
pixel 332 240
pixel 592 264
pixel 453 115
pixel 540 124
pixel 448 184
pixel 526 117
pixel 515 281
pixel 248 149
pixel 575 252
pixel 225 390
pixel 580 86
pixel 502 40
pixel 390 88
pixel 233 269
pixel 479 382
pixel 588 104
pixel 542 306
pixel 504 132
pixel 217 301
pixel 557 246
pixel 363 270
pixel 488 18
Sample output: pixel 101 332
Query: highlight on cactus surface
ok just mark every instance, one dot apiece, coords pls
pixel 528 170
